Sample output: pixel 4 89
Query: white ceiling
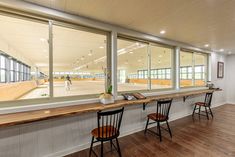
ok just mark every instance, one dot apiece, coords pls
pixel 197 22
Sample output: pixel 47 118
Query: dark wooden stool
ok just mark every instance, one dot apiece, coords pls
pixel 206 104
pixel 161 115
pixel 109 123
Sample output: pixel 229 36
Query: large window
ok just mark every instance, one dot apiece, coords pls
pixel 161 67
pixel 132 65
pixel 134 71
pixel 193 69
pixel 79 65
pixel 80 62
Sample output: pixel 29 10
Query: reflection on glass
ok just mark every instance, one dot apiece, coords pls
pixel 132 65
pixel 79 64
pixel 161 67
pixel 186 72
pixel 23 56
pixel 200 69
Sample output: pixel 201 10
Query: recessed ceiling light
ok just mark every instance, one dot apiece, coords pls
pixel 101 47
pixel 82 58
pixel 139 60
pixel 206 45
pixel 90 53
pixel 229 52
pixel 131 52
pixel 221 50
pixel 162 31
pixel 42 39
pixel 160 56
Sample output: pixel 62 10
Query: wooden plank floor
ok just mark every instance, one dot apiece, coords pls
pixel 191 138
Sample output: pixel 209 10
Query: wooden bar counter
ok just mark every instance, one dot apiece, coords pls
pixel 37 115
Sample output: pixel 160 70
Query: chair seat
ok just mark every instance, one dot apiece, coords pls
pixel 157 117
pixel 108 132
pixel 200 104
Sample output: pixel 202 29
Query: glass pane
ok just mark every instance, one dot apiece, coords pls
pixel 184 76
pixel 11 65
pixel 198 69
pixel 17 76
pixel 161 59
pixel 27 42
pixel 168 76
pixel 17 66
pixel 3 62
pixel 3 76
pixel 198 76
pixel 186 64
pixel 132 57
pixel 79 57
pixel 190 76
pixel 200 66
pixel 12 76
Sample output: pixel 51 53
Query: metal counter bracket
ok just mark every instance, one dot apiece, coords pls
pixel 144 105
pixel 185 97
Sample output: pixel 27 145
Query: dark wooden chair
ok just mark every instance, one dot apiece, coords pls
pixel 109 123
pixel 161 115
pixel 206 104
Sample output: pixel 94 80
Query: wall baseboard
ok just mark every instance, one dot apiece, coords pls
pixel 231 103
pixel 174 116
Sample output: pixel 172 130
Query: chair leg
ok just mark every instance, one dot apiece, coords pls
pixel 159 131
pixel 118 147
pixel 111 145
pixel 102 149
pixel 206 113
pixel 92 141
pixel 169 128
pixel 194 110
pixel 211 112
pixel 199 112
pixel 146 127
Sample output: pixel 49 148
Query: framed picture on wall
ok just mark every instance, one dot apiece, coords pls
pixel 220 70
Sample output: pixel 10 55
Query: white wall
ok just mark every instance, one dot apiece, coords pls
pixel 219 97
pixel 230 79
pixel 61 136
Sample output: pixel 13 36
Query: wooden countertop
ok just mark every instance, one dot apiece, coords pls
pixel 37 115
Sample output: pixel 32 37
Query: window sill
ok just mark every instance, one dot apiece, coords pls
pixel 64 103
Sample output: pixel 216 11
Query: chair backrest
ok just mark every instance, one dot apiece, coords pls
pixel 208 99
pixel 163 108
pixel 109 123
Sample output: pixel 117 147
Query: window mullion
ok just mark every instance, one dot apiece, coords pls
pixel 176 74
pixel 193 69
pixel 149 67
pixel 50 42
pixel 114 62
